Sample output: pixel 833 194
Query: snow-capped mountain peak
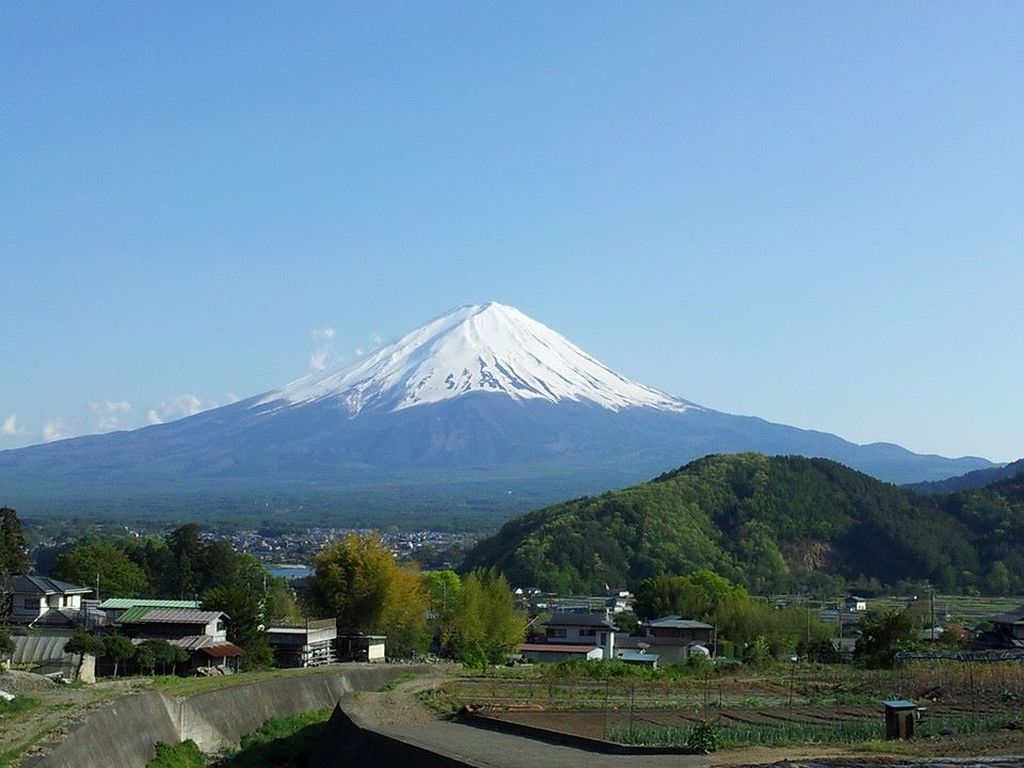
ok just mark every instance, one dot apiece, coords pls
pixel 491 348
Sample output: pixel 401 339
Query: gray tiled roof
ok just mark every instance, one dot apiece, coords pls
pixel 677 622
pixel 579 620
pixel 42 585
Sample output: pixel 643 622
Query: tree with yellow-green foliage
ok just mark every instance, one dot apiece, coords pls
pixel 485 625
pixel 359 581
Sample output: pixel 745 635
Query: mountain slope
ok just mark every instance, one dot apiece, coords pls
pixel 771 523
pixel 979 478
pixel 481 408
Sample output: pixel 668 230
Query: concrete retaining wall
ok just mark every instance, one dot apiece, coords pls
pixel 347 744
pixel 125 732
pixel 563 739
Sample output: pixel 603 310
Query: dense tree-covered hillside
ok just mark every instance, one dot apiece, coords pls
pixel 979 478
pixel 771 523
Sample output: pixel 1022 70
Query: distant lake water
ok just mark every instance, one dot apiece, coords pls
pixel 290 571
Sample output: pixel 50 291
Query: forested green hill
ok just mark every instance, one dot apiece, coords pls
pixel 773 524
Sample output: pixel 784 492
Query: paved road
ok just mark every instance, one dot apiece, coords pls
pixel 488 749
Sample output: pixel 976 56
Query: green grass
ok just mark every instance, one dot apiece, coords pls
pixel 183 755
pixel 282 742
pixel 187 686
pixel 17 705
pixel 402 678
pixel 839 732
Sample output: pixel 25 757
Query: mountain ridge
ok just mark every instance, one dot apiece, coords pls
pixel 533 406
pixel 775 523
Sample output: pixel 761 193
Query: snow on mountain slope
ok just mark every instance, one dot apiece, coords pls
pixel 491 348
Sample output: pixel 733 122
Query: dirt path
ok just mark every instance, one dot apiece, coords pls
pixel 400 705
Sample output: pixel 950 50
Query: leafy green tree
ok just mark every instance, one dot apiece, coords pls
pixel 883 633
pixel 6 643
pixel 145 659
pixel 758 653
pixel 244 606
pixel 358 581
pixel 701 593
pixel 186 550
pixel 180 656
pixel 161 651
pixel 999 582
pixel 118 575
pixel 119 650
pixel 486 626
pixel 83 642
pixel 13 556
pixel 442 589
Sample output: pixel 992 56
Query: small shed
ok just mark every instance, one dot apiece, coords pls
pixel 639 658
pixel 308 643
pixel 360 647
pixel 559 652
pixel 900 719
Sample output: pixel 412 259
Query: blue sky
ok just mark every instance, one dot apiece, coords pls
pixel 810 212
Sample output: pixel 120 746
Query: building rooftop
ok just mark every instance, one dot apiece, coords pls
pixel 142 614
pixel 1016 616
pixel 557 648
pixel 677 622
pixel 637 656
pixel 124 603
pixel 42 585
pixel 579 620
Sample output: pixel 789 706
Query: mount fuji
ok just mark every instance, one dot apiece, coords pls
pixel 481 408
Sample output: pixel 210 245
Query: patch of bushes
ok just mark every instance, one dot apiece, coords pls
pixel 282 742
pixel 183 755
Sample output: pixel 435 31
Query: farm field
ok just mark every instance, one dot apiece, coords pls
pixel 968 709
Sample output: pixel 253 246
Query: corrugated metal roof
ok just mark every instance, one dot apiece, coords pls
pixel 34 649
pixel 557 648
pixel 142 614
pixel 221 650
pixel 645 658
pixel 192 642
pixel 124 603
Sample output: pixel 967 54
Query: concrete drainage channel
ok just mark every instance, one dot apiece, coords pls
pixel 125 732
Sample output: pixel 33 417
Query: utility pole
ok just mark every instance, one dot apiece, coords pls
pixel 931 600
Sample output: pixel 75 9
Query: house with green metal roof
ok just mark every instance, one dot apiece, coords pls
pixel 115 607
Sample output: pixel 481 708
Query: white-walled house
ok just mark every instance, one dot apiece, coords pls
pixel 41 600
pixel 593 629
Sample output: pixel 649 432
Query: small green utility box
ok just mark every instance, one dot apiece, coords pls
pixel 900 719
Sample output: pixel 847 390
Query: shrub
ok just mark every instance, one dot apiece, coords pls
pixel 183 755
pixel 704 737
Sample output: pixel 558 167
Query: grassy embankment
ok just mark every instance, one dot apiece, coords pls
pixel 282 742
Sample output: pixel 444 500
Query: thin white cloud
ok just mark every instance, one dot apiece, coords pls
pixel 322 354
pixel 176 408
pixel 110 414
pixel 56 428
pixel 10 426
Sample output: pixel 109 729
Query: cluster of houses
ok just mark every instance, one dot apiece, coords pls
pixel 45 613
pixel 595 636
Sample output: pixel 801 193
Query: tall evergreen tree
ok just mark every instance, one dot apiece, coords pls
pixel 13 556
